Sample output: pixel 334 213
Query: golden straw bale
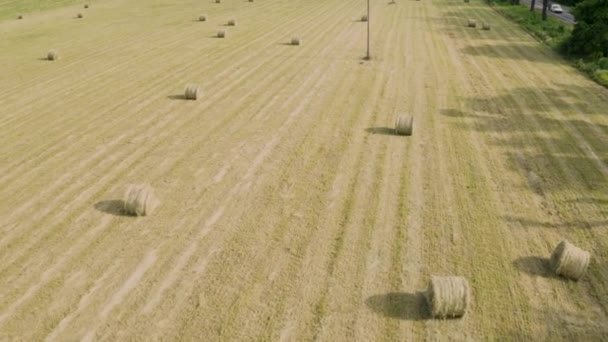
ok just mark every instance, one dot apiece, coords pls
pixel 448 296
pixel 569 261
pixel 140 200
pixel 404 125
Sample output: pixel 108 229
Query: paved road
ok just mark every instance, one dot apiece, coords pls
pixel 566 16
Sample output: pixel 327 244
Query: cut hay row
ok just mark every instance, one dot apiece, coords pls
pixel 258 268
pixel 261 37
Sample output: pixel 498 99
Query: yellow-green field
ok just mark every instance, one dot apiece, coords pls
pixel 289 209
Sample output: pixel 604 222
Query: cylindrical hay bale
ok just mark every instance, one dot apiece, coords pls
pixel 79 16
pixel 20 17
pixel 202 17
pixel 218 1
pixel 569 261
pixel 448 296
pixel 86 6
pixel 466 0
pixel 191 92
pixel 296 41
pixel 364 17
pixel 472 23
pixel 404 125
pixel 485 26
pixel 140 200
pixel 53 55
pixel 221 33
pixel 231 22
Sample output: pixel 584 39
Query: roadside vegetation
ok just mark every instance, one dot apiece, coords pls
pixel 585 44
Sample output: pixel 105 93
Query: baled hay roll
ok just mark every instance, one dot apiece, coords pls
pixel 250 0
pixel 218 1
pixel 20 17
pixel 296 41
pixel 448 296
pixel 221 33
pixel 231 22
pixel 364 18
pixel 485 26
pixel 191 92
pixel 569 261
pixel 404 125
pixel 53 55
pixel 140 200
pixel 86 6
pixel 472 23
pixel 202 17
pixel 466 0
pixel 80 16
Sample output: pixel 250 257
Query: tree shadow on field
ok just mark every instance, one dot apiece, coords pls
pixel 572 224
pixel 400 305
pixel 536 266
pixel 381 130
pixel 113 207
pixel 516 51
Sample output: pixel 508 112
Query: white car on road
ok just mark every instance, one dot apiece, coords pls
pixel 555 8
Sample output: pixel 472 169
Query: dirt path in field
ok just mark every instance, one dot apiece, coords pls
pixel 289 210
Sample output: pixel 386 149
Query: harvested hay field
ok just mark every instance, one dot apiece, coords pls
pixel 290 209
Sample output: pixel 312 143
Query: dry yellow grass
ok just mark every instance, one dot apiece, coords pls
pixel 288 201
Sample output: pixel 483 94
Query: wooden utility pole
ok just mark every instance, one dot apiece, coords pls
pixel 368 56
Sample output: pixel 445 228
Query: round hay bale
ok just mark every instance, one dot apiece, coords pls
pixel 296 41
pixel 364 17
pixel 250 0
pixel 231 22
pixel 218 1
pixel 53 55
pixel 79 16
pixel 202 17
pixel 221 33
pixel 139 200
pixel 20 17
pixel 569 261
pixel 191 91
pixel 86 6
pixel 448 296
pixel 466 0
pixel 404 125
pixel 472 23
pixel 485 26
